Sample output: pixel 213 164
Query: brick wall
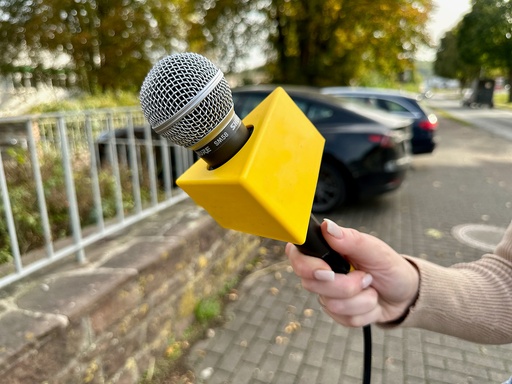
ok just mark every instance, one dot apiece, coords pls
pixel 109 320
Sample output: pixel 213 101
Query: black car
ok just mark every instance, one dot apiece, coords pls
pixel 399 103
pixel 366 152
pixel 161 150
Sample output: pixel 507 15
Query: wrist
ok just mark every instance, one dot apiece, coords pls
pixel 399 320
pixel 410 302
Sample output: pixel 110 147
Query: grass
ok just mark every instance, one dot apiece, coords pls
pixel 501 100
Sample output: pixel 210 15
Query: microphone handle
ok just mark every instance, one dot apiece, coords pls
pixel 315 245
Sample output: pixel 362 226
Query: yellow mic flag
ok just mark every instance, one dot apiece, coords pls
pixel 267 188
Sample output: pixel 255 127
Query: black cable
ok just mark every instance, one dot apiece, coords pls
pixel 316 245
pixel 367 370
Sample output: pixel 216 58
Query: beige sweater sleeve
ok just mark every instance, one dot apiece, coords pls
pixel 472 301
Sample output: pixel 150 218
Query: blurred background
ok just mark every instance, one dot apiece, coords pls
pixel 83 48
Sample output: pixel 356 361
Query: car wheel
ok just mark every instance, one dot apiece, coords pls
pixel 331 189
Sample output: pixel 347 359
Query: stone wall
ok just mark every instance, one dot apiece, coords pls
pixel 109 320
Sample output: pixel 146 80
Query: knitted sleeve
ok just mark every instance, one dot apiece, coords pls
pixel 472 301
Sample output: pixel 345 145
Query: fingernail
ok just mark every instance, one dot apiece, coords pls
pixel 324 275
pixel 367 280
pixel 333 229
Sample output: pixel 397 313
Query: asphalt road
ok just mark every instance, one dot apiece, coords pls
pixel 494 120
pixel 276 332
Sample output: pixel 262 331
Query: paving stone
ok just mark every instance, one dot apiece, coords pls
pixel 457 184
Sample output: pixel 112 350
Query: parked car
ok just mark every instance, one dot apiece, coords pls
pixel 140 134
pixel 404 104
pixel 366 152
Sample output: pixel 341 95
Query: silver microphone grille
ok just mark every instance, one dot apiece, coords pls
pixel 169 90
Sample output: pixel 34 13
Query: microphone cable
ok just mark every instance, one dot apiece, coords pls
pixel 367 368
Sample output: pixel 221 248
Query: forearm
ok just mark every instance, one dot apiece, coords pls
pixel 472 301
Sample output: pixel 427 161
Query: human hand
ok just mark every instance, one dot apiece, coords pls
pixel 380 290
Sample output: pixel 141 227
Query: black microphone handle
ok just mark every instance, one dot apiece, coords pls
pixel 315 245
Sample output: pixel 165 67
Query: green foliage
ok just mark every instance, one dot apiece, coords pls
pixel 484 38
pixel 110 44
pixel 316 42
pixel 449 62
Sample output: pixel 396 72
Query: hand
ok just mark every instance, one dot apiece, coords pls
pixel 380 290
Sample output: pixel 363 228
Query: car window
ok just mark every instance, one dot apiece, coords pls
pixel 319 112
pixel 366 101
pixel 245 103
pixel 314 112
pixel 392 106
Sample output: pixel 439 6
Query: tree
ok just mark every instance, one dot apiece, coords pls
pixel 320 42
pixel 109 44
pixel 229 32
pixel 449 63
pixel 485 37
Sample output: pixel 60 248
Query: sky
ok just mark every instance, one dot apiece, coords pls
pixel 446 15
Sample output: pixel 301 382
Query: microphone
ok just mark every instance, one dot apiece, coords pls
pixel 186 99
pixel 256 176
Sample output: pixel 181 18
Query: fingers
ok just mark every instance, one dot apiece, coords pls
pixel 360 320
pixel 305 266
pixel 341 287
pixel 355 312
pixel 362 303
pixel 396 279
pixel 317 276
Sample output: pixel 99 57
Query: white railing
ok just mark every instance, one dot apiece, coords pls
pixel 69 179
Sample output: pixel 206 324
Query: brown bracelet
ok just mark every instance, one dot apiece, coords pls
pixel 400 319
pixel 404 316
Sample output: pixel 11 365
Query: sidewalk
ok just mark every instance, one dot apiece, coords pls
pixel 277 333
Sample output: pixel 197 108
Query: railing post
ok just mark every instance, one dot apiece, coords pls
pixel 134 170
pixel 115 167
pixel 70 189
pixel 96 192
pixel 39 189
pixel 11 227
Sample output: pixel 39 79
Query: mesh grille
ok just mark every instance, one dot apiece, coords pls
pixel 171 84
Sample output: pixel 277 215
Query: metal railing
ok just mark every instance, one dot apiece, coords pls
pixel 69 179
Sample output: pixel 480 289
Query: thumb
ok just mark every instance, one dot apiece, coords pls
pixel 363 251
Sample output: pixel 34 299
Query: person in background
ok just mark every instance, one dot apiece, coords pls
pixel 472 301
